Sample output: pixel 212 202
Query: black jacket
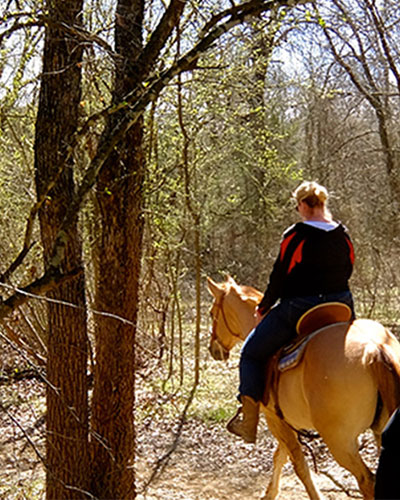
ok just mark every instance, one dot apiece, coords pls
pixel 311 261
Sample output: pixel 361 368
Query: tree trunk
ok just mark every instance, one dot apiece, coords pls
pixel 119 193
pixel 67 405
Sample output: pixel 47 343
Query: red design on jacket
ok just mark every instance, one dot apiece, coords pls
pixel 351 250
pixel 285 244
pixel 297 256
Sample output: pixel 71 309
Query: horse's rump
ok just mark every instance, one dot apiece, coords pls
pixel 385 367
pixel 344 365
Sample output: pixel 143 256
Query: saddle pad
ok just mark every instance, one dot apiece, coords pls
pixel 292 354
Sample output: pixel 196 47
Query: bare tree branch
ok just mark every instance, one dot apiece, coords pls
pixel 49 281
pixel 77 31
pixel 384 42
pixel 160 35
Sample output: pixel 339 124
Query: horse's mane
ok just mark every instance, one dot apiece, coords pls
pixel 251 292
pixel 248 291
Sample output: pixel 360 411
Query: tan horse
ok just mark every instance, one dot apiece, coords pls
pixel 348 381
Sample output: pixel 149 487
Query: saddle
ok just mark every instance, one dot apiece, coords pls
pixel 308 326
pixel 323 315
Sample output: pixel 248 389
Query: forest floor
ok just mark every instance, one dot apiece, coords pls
pixel 210 464
pixel 204 462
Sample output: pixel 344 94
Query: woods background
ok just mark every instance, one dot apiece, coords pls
pixel 144 146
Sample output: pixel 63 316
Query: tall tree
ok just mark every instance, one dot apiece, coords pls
pixel 57 120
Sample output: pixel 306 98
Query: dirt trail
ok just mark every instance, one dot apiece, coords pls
pixel 209 464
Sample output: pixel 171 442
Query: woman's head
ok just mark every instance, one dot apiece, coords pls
pixel 314 196
pixel 311 193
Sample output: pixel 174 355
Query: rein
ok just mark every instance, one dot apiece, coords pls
pixel 214 335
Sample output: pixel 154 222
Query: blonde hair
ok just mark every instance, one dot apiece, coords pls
pixel 311 193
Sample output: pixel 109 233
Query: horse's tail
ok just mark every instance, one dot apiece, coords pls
pixel 384 362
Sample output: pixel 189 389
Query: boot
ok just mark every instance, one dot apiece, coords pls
pixel 244 423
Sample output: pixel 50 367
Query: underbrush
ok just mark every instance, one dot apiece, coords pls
pixel 22 440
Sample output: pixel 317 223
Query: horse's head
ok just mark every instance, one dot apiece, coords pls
pixel 232 315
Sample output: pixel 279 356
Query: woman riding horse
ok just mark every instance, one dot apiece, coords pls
pixel 314 265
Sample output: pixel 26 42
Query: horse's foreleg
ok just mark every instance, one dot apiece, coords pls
pixel 280 457
pixel 288 438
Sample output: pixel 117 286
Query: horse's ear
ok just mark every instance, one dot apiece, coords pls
pixel 215 289
pixel 230 280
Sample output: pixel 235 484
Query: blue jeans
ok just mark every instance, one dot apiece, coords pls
pixel 274 331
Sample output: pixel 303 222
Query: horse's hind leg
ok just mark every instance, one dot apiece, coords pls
pixel 288 439
pixel 345 452
pixel 280 457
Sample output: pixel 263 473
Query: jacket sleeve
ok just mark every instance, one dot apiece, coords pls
pixel 279 271
pixel 272 293
pixel 351 248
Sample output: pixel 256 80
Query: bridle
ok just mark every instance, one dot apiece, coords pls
pixel 214 336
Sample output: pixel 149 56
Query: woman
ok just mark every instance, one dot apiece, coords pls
pixel 314 265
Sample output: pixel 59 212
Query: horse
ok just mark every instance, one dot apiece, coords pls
pixel 347 381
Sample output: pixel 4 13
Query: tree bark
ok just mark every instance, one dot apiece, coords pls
pixel 120 197
pixel 57 118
